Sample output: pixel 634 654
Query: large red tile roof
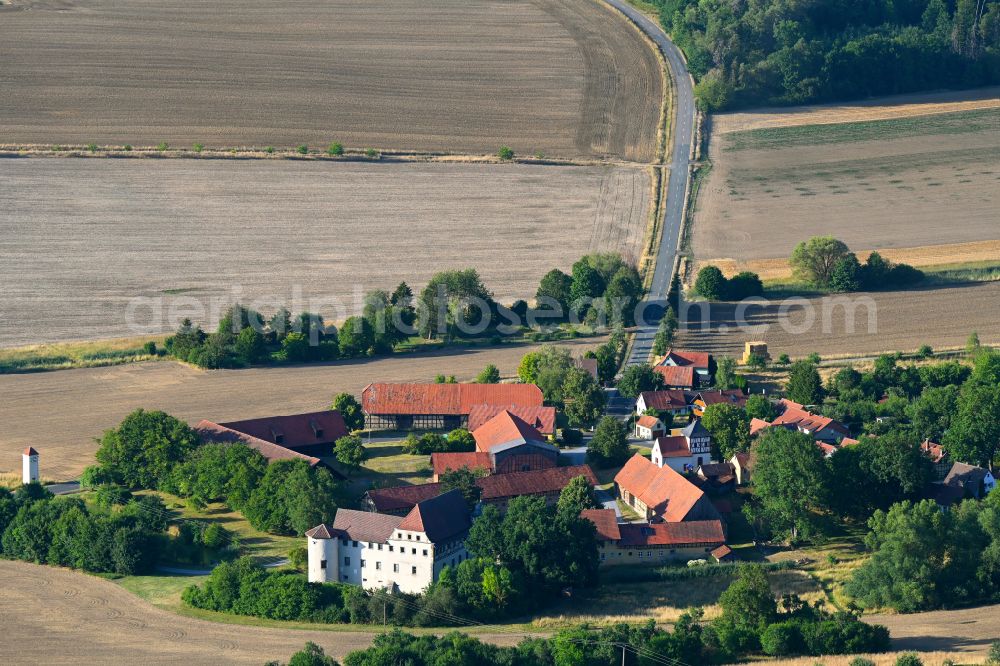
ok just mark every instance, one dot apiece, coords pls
pixel 664 400
pixel 503 428
pixel 534 482
pixel 606 522
pixel 364 525
pixel 660 488
pixel 694 532
pixel 446 462
pixel 296 430
pixel 729 397
pixel 673 446
pixel 541 418
pixel 933 450
pixel 220 434
pixel 691 358
pixel 647 421
pixel 445 399
pixel 756 425
pixel 398 498
pixel 796 415
pixel 676 375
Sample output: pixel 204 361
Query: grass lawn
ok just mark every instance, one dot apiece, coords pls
pixel 628 513
pixel 832 562
pixel 63 355
pixel 386 466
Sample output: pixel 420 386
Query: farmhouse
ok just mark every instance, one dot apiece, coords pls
pixel 734 397
pixel 700 361
pixel 649 427
pixel 741 467
pixel 542 419
pixel 938 457
pixel 475 461
pixel 684 451
pixel 504 444
pixel 438 406
pixel 661 493
pixel 645 543
pixel 380 551
pixel 671 402
pixel 496 489
pixel 683 378
pixel 796 417
pixel 975 482
pixel 313 433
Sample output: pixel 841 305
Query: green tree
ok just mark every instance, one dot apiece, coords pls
pixel 725 374
pixel 295 347
pixel 489 375
pixel 464 480
pixel 145 446
pixel 759 407
pixel 576 496
pixel 350 451
pixel 790 481
pixel 744 284
pixel 972 343
pixel 586 283
pixel 622 295
pixel 804 384
pixel 815 259
pixel 335 149
pixel 583 399
pixel 931 412
pixel 748 606
pixel 555 285
pixel 505 153
pixel 609 445
pixel 846 274
pixel 665 332
pixel 730 429
pixel 356 337
pixel 249 346
pixel 350 411
pixel 461 440
pixel 974 433
pixel 450 298
pixel 639 378
pixel 312 654
pixel 711 284
pixel 291 498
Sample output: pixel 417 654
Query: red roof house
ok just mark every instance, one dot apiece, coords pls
pixel 660 493
pixel 406 406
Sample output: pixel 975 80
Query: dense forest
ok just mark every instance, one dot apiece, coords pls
pixel 754 52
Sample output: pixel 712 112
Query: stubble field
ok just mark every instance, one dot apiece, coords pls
pixel 568 78
pixel 80 238
pixel 78 405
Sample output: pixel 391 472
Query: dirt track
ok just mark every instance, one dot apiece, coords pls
pixel 64 617
pixel 60 413
pixel 95 233
pixel 565 77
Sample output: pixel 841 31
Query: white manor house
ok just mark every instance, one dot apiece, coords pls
pixel 377 550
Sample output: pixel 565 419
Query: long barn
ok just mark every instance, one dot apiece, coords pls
pixel 438 406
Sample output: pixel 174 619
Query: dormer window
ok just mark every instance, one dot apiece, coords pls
pixel 318 431
pixel 278 436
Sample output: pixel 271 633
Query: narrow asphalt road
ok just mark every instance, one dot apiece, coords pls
pixel 673 211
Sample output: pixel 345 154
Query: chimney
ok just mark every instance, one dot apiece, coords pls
pixel 29 466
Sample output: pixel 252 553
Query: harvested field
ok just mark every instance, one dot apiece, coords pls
pixel 902 321
pixel 95 233
pixel 904 182
pixel 57 616
pixel 60 413
pixel 569 78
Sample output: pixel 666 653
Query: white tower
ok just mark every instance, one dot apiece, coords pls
pixel 29 466
pixel 324 550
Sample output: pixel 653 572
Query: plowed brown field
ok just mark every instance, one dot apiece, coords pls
pixel 60 413
pixel 81 237
pixel 568 78
pixel 57 616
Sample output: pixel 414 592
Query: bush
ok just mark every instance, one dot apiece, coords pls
pixel 149 348
pixel 127 147
pixel 162 146
pixel 269 150
pixel 302 150
pixel 92 147
pixel 909 659
pixel 94 476
pixel 861 661
pixel 572 437
pixel 505 153
pixel 111 495
pixel 335 149
pixel 198 147
pixel 371 152
pixel 782 639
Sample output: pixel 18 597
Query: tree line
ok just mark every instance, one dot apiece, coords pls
pixel 785 52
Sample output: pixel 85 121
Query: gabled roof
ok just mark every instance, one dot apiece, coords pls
pixel 399 498
pixel 827 449
pixel 756 425
pixel 729 397
pixel 849 441
pixel 30 451
pixel 219 434
pixel 933 450
pixel 647 421
pixel 606 522
pixel 716 470
pixel 963 474
pixel 695 429
pixel 447 462
pixel 676 376
pixel 295 430
pixel 743 458
pixel 365 525
pixel 722 552
pixel 664 400
pixel 796 415
pixel 505 428
pixel 672 446
pixel 672 534
pixel 440 518
pixel 688 358
pixel 323 532
pixel 542 418
pixel 660 488
pixel 445 399
pixel 534 482
pixel 588 365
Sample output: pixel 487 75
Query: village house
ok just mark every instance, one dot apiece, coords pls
pixel 504 444
pixel 734 397
pixel 658 543
pixel 294 437
pixel 649 427
pixel 438 406
pixel 496 489
pixel 700 362
pixel 796 417
pixel 541 418
pixel 741 468
pixel 661 493
pixel 717 477
pixel 682 378
pixel 975 482
pixel 684 451
pixel 673 402
pixel 378 551
pixel 938 457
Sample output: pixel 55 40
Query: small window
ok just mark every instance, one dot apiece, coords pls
pixel 354 543
pixel 395 568
pixel 380 546
pixel 649 553
pixel 414 550
pixel 640 555
pixel 630 553
pixel 347 561
pixel 362 564
pixel 390 548
pixel 413 570
pixel 378 566
pixel 418 537
pixel 425 552
pixel 322 564
pixel 343 542
pixel 344 577
pixel 409 536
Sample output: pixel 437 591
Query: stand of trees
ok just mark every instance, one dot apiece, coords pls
pixel 153 450
pixel 711 284
pixel 824 261
pixel 602 281
pixel 783 52
pixel 563 384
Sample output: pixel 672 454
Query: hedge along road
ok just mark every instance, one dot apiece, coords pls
pixel 673 210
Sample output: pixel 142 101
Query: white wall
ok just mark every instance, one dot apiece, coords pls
pixel 29 468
